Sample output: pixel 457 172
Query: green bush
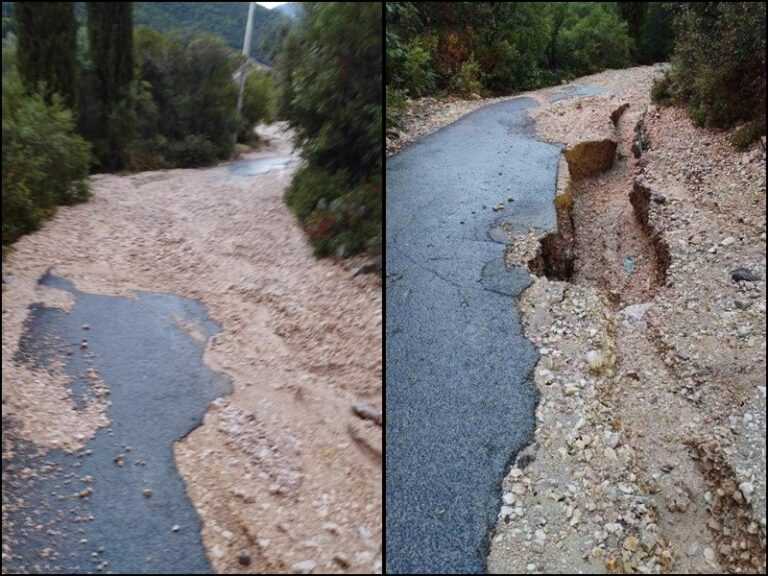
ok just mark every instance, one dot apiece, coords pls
pixel 660 91
pixel 595 40
pixel 194 150
pixel 395 104
pixel 416 74
pixel 339 217
pixel 331 90
pixel 44 162
pixel 468 79
pixel 718 64
pixel 258 104
pixel 743 137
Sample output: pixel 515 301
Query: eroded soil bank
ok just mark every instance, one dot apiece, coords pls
pixel 283 474
pixel 650 443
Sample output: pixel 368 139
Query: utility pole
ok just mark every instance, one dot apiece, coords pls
pixel 246 51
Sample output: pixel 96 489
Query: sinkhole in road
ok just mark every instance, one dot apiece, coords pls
pixel 148 352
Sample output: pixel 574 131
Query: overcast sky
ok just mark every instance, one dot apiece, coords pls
pixel 270 5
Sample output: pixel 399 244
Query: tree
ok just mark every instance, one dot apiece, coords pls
pixel 47 49
pixel 331 91
pixel 110 33
pixel 634 14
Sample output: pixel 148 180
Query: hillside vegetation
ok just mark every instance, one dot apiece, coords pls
pixel 500 47
pixel 718 66
pixel 225 19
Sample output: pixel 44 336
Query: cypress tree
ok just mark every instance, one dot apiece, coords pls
pixel 110 35
pixel 47 48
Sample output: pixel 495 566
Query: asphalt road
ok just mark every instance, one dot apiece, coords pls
pixel 459 398
pixel 159 389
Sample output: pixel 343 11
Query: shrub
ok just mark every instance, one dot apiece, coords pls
pixel 468 79
pixel 338 217
pixel 194 150
pixel 395 104
pixel 750 132
pixel 660 91
pixel 416 74
pixel 331 92
pixel 718 64
pixel 44 162
pixel 258 104
pixel 595 40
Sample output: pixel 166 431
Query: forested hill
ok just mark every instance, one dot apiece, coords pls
pixel 227 19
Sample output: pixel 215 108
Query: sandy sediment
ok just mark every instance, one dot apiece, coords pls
pixel 649 450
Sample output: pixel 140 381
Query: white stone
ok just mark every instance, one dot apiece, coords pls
pixel 304 567
pixel 636 311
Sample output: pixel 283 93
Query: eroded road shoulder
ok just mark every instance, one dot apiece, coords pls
pixel 459 399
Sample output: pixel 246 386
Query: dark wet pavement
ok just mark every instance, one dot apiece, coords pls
pixel 258 165
pixel 573 90
pixel 159 389
pixel 459 398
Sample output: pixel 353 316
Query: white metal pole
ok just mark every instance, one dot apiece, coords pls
pixel 246 51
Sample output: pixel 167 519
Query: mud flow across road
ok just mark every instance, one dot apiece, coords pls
pixel 189 279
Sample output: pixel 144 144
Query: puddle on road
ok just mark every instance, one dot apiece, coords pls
pixel 254 166
pixel 159 389
pixel 571 91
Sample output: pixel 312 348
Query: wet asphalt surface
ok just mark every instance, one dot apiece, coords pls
pixel 459 396
pixel 159 389
pixel 259 165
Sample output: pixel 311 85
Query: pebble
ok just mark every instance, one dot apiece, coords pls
pixel 86 492
pixel 146 492
pixel 244 558
pixel 304 567
pixel 613 528
pixel 744 275
pixel 539 537
pixel 175 528
pixel 518 488
pixel 631 543
pixel 85 326
pixel 509 498
pixel 341 559
pixel 728 241
pixel 217 551
pixel 747 488
pixel 530 567
pixel 743 304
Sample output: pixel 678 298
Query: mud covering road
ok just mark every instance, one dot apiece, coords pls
pixel 459 398
pixel 283 474
pixel 159 389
